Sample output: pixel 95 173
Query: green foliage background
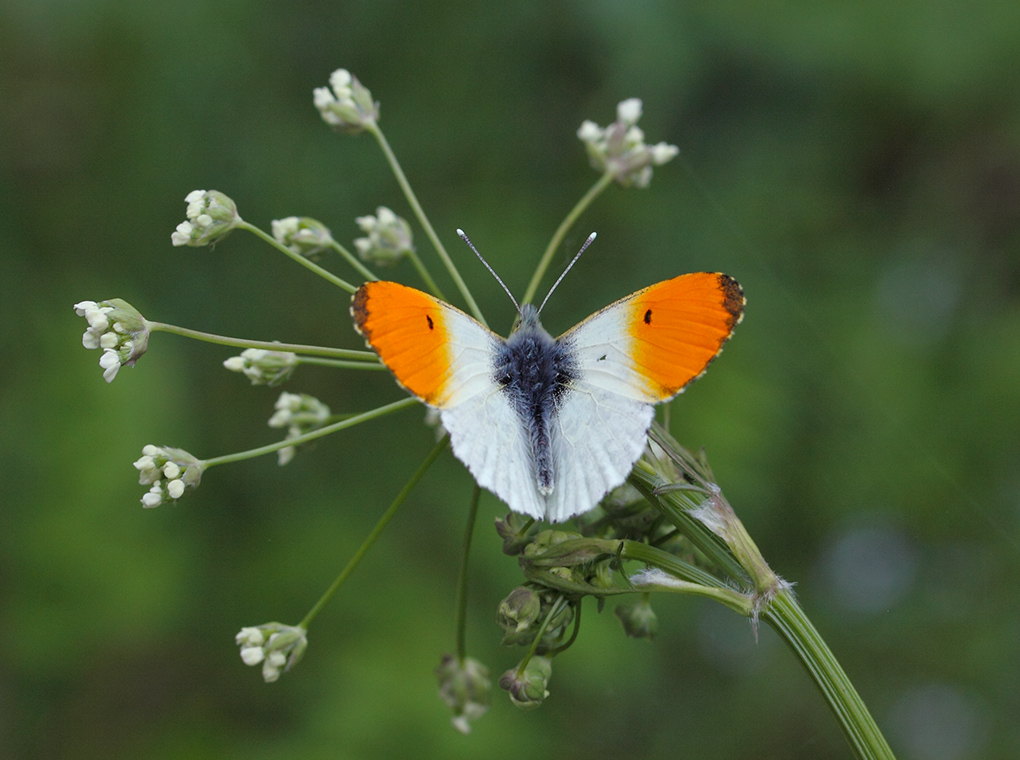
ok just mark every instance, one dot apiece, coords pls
pixel 855 165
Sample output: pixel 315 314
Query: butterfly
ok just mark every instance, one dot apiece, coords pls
pixel 551 425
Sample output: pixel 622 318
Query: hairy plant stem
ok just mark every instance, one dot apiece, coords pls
pixel 743 573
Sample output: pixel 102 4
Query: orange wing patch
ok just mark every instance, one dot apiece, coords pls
pixel 680 325
pixel 408 329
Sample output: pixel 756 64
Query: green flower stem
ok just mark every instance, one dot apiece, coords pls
pixel 462 582
pixel 673 506
pixel 412 199
pixel 376 532
pixel 306 263
pixel 323 431
pixel 561 232
pixel 672 564
pixel 354 262
pixel 768 597
pixel 789 620
pixel 573 634
pixel 368 357
pixel 554 610
pixel 340 363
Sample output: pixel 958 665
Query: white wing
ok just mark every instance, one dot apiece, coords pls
pixel 488 437
pixel 486 434
pixel 596 439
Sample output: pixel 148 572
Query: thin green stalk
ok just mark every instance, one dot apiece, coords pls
pixel 462 582
pixel 573 634
pixel 354 262
pixel 368 357
pixel 306 263
pixel 301 439
pixel 376 532
pixel 789 620
pixel 554 610
pixel 670 503
pixel 561 232
pixel 340 363
pixel 419 213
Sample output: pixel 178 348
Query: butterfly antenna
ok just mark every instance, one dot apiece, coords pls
pixel 492 271
pixel 577 255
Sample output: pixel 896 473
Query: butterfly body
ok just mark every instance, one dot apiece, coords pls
pixel 550 425
pixel 534 371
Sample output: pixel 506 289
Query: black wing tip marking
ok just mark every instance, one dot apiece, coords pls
pixel 359 309
pixel 733 298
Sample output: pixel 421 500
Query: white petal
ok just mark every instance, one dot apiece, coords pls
pixel 252 655
pixel 589 132
pixel 629 111
pixel 250 636
pixel 145 463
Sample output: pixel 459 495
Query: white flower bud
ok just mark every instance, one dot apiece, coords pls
pixel 252 655
pixel 629 111
pixel 620 150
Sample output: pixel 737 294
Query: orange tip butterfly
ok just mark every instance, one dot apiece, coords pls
pixel 551 425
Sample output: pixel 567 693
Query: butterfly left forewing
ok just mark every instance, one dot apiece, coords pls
pixel 444 357
pixel 435 351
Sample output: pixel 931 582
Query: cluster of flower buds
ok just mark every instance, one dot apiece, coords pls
pixel 300 414
pixel 211 215
pixel 346 105
pixel 464 686
pixel 116 327
pixel 528 686
pixel 263 367
pixel 303 235
pixel 170 472
pixel 620 148
pixel 276 646
pixel 389 237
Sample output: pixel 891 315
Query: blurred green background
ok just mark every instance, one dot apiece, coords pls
pixel 856 165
